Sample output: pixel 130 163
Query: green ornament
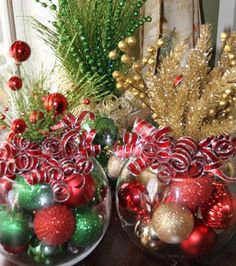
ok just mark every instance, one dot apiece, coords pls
pixel 14 230
pixel 33 197
pixel 89 227
pixel 107 132
pixel 43 253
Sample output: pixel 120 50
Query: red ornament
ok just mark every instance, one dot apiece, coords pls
pixel 54 225
pixel 133 197
pixel 35 116
pixel 178 80
pixel 56 102
pixel 82 190
pixel 217 212
pixel 20 51
pixel 10 136
pixel 190 192
pixel 15 250
pixel 18 126
pixel 15 83
pixel 86 101
pixel 201 240
pixel 5 187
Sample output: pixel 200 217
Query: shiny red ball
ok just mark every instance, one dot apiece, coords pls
pixel 82 189
pixel 191 192
pixel 15 83
pixel 35 116
pixel 86 101
pixel 217 212
pixel 54 225
pixel 18 126
pixel 201 240
pixel 133 198
pixel 56 102
pixel 16 250
pixel 20 51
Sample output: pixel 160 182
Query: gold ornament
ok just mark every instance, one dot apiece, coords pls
pixel 147 237
pixel 112 55
pixel 131 41
pixel 173 222
pixel 123 46
pixel 146 175
pixel 227 48
pixel 116 74
pixel 120 85
pixel 114 167
pixel 125 58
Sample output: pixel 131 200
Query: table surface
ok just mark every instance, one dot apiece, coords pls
pixel 117 249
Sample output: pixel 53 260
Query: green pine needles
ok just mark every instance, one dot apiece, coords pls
pixel 83 34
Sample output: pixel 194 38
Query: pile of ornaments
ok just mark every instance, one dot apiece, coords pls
pixel 54 196
pixel 176 197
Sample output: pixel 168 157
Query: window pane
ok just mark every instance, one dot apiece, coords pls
pixel 2 52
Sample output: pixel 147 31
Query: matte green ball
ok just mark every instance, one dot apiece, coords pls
pixel 33 197
pixel 89 227
pixel 14 230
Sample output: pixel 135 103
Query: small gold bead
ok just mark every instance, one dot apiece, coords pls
pixel 231 56
pixel 142 95
pixel 232 62
pixel 227 48
pixel 160 42
pixel 112 55
pixel 145 60
pixel 151 49
pixel 228 91
pixel 234 99
pixel 129 81
pixel 131 41
pixel 135 92
pixel 116 74
pixel 228 110
pixel 137 77
pixel 223 36
pixel 151 61
pixel 230 117
pixel 120 85
pixel 123 46
pixel 125 58
pixel 154 116
pixel 224 95
pixel 144 105
pixel 136 66
pixel 222 103
pixel 212 112
pixel 141 86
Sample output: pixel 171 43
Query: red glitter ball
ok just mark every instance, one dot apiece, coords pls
pixel 201 240
pixel 15 83
pixel 190 192
pixel 18 126
pixel 217 212
pixel 20 51
pixel 57 102
pixel 54 225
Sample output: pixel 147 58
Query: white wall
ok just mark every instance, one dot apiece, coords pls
pixel 24 10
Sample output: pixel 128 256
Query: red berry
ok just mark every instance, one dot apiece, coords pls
pixel 54 225
pixel 35 116
pixel 20 51
pixel 57 102
pixel 18 126
pixel 15 83
pixel 86 101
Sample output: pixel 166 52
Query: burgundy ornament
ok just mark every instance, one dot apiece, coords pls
pixel 16 250
pixel 201 240
pixel 217 212
pixel 35 116
pixel 18 126
pixel 190 192
pixel 133 198
pixel 20 51
pixel 15 83
pixel 56 102
pixel 82 189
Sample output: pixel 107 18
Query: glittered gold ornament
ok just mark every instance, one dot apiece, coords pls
pixel 123 46
pixel 125 58
pixel 114 167
pixel 147 237
pixel 131 41
pixel 173 222
pixel 146 175
pixel 112 55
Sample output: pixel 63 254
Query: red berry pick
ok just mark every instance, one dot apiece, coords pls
pixel 18 126
pixel 20 51
pixel 15 83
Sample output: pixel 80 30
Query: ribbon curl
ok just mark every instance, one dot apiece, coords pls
pixel 155 148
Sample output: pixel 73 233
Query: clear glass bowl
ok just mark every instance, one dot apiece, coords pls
pixel 37 230
pixel 187 216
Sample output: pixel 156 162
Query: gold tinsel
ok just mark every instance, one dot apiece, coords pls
pixel 203 103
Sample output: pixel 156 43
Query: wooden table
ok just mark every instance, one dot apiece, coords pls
pixel 116 249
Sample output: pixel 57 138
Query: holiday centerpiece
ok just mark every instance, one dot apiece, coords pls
pixel 54 197
pixel 176 191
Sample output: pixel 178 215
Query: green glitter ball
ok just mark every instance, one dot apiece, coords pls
pixel 89 227
pixel 33 197
pixel 14 230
